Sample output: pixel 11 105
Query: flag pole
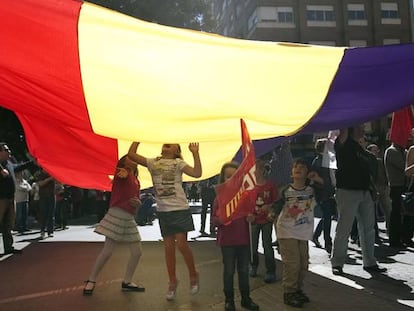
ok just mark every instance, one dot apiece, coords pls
pixel 251 242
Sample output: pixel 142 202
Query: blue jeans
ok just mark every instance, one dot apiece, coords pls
pixel 351 204
pixel 22 210
pixel 269 254
pixel 47 214
pixel 236 257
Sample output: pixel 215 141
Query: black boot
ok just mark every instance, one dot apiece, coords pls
pixel 247 302
pixel 229 304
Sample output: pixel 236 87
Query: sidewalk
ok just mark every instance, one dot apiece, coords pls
pixel 49 275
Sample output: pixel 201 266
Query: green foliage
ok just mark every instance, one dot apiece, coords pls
pixel 191 14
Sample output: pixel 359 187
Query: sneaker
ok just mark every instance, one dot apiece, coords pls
pixel 375 269
pixel 195 285
pixel 253 271
pixel 270 278
pixel 172 291
pixel 337 270
pixel 302 296
pixel 292 299
pixel 229 306
pixel 131 287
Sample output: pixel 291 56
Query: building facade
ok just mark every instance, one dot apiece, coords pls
pixel 354 23
pixel 323 22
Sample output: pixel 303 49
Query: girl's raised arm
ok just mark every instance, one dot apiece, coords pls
pixel 132 154
pixel 195 171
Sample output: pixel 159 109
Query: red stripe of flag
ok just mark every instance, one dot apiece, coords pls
pixel 41 82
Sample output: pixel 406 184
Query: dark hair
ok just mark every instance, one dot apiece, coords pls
pixel 301 161
pixel 320 145
pixel 231 164
pixel 121 163
pixel 265 165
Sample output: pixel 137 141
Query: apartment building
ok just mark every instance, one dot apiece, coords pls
pixel 356 23
pixel 324 22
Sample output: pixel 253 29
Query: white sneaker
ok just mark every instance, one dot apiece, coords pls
pixel 172 291
pixel 195 286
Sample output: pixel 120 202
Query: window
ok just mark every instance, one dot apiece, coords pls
pixel 358 43
pixel 284 14
pixel 323 43
pixel 275 17
pixel 389 13
pixel 391 41
pixel 320 16
pixel 267 14
pixel 389 10
pixel 357 15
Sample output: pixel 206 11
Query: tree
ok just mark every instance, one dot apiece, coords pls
pixel 11 132
pixel 191 14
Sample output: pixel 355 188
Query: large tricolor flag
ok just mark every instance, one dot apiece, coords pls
pixel 235 196
pixel 85 81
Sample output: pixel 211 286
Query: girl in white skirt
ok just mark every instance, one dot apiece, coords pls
pixel 119 226
pixel 173 211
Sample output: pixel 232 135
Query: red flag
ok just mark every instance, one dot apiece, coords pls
pixel 401 125
pixel 236 196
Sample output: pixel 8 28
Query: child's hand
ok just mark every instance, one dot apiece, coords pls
pixel 135 202
pixel 250 218
pixel 4 172
pixel 271 217
pixel 312 175
pixel 121 172
pixel 193 147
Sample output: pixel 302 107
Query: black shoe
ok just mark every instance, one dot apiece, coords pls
pixel 337 270
pixel 375 269
pixel 397 245
pixel 316 242
pixel 130 287
pixel 248 304
pixel 88 291
pixel 292 299
pixel 302 296
pixel 270 278
pixel 408 243
pixel 13 251
pixel 229 306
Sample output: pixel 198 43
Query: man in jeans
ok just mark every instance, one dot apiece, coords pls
pixel 394 160
pixel 7 191
pixel 353 197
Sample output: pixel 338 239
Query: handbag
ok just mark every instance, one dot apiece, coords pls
pixel 407 201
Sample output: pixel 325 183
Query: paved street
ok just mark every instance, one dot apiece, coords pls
pixel 49 275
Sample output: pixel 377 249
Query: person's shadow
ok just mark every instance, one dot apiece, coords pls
pixel 382 284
